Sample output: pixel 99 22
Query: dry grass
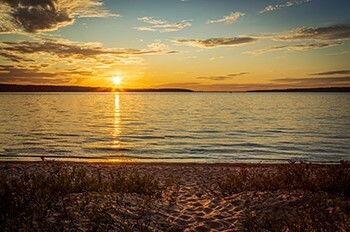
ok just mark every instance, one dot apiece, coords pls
pixel 49 201
pixel 333 179
pixel 325 206
pixel 70 198
pixel 315 212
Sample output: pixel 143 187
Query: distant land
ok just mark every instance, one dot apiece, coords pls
pixel 50 88
pixel 329 89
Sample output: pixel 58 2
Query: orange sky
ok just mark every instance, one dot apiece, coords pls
pixel 200 45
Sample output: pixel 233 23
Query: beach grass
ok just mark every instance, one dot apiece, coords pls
pixel 54 196
pixel 333 179
pixel 30 201
pixel 325 207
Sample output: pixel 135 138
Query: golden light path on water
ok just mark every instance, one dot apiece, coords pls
pixel 116 133
pixel 116 125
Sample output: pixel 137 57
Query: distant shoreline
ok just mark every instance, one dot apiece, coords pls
pixel 51 88
pixel 329 89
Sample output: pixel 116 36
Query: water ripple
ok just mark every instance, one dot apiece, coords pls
pixel 191 127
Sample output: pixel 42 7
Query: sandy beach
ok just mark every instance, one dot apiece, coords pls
pixel 191 197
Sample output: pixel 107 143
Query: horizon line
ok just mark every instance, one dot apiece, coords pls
pixel 71 88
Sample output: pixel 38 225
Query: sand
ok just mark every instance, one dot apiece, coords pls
pixel 192 203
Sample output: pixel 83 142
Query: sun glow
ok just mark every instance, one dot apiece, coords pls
pixel 117 80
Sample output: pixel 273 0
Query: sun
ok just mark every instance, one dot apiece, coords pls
pixel 117 80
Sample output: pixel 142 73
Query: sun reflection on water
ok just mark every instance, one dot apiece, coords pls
pixel 116 133
pixel 120 160
pixel 116 125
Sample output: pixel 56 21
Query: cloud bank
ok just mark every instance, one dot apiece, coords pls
pixel 67 49
pixel 281 83
pixel 13 74
pixel 62 61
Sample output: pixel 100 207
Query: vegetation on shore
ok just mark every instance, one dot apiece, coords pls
pixel 324 207
pixel 65 199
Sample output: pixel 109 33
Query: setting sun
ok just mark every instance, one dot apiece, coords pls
pixel 117 80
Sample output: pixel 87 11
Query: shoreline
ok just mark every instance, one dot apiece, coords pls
pixel 167 163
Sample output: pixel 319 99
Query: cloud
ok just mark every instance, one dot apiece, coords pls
pixel 162 25
pixel 237 74
pixel 336 72
pixel 229 19
pixel 329 81
pixel 222 78
pixel 338 53
pixel 279 6
pixel 216 42
pixel 282 83
pixel 13 74
pixel 334 32
pixel 67 49
pixel 188 58
pixel 40 60
pixel 312 38
pixel 297 47
pixel 215 78
pixel 216 58
pixel 33 16
pixel 15 58
pixel 158 46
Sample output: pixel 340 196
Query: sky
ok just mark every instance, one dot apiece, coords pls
pixel 202 45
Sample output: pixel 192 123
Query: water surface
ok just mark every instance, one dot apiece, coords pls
pixel 175 127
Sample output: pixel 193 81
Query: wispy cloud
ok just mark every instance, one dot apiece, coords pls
pixel 311 38
pixel 237 74
pixel 162 25
pixel 157 45
pixel 216 58
pixel 297 47
pixel 216 42
pixel 338 53
pixel 316 80
pixel 229 19
pixel 287 4
pixel 336 72
pixel 215 78
pixel 222 78
pixel 334 32
pixel 23 16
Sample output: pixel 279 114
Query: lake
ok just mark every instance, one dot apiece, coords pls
pixel 175 127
